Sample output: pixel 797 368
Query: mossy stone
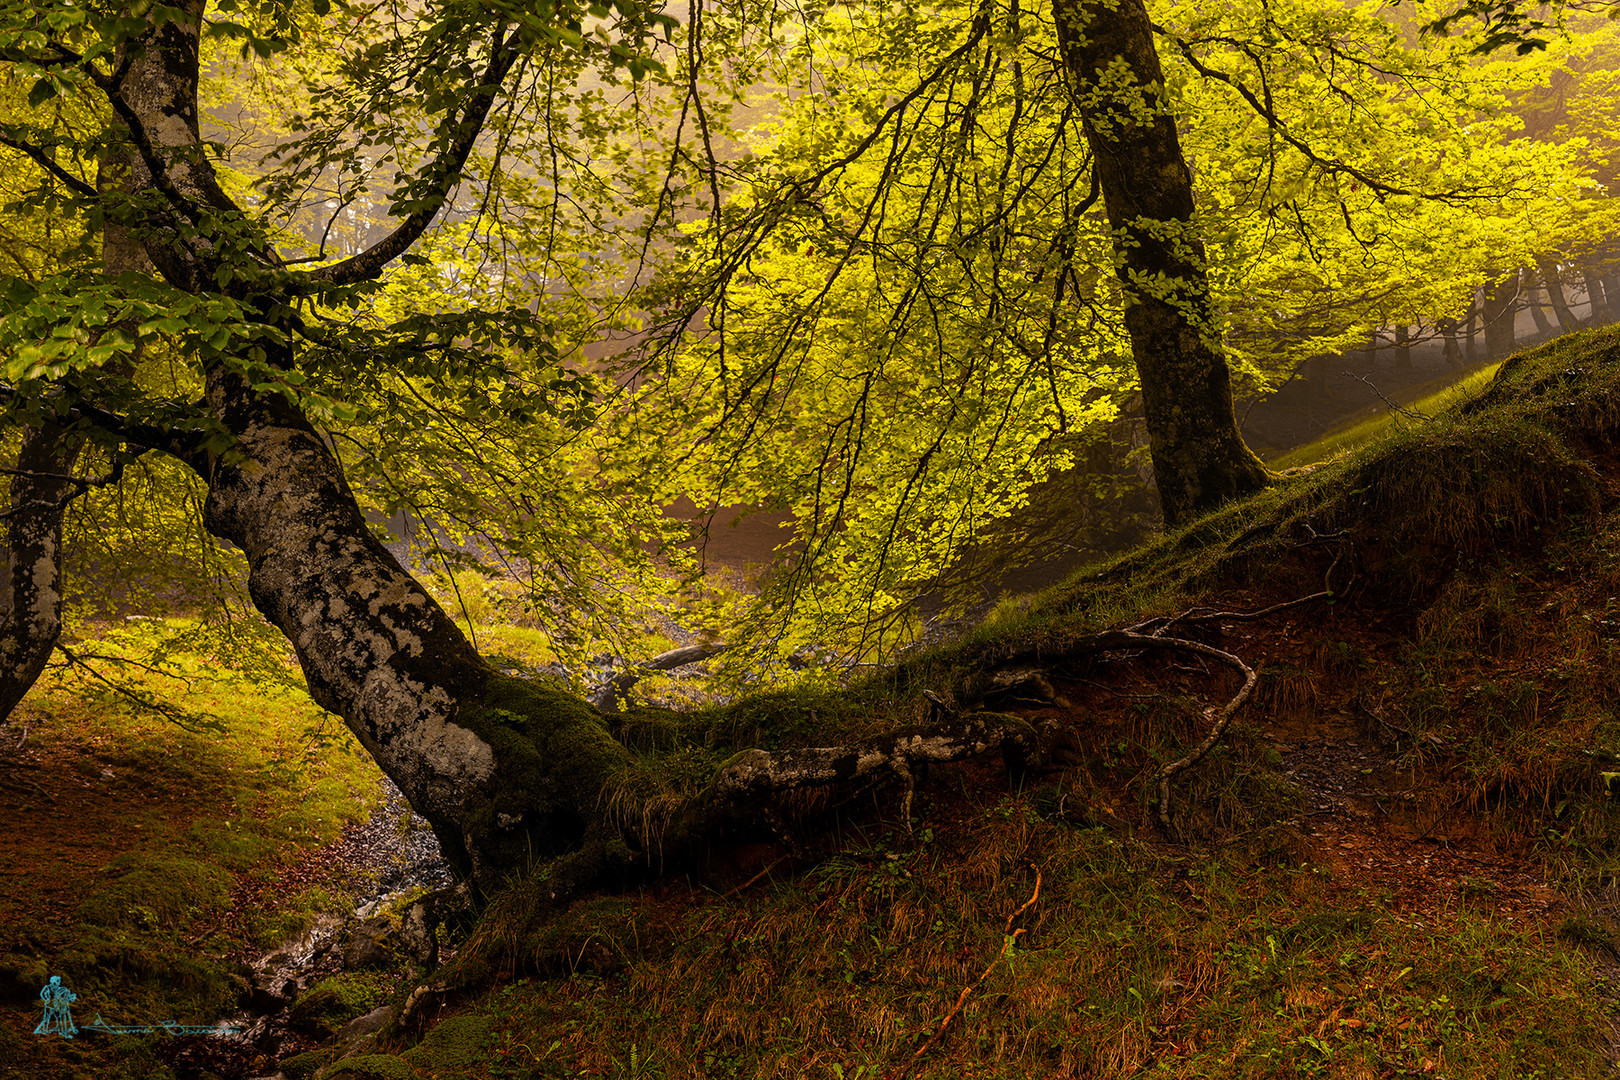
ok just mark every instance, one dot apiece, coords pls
pixel 371 1067
pixel 455 1043
pixel 305 1066
pixel 328 1005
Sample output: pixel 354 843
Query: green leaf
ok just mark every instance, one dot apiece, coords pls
pixel 42 91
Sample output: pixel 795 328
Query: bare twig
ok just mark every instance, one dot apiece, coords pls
pixel 1410 414
pixel 750 882
pixel 1009 936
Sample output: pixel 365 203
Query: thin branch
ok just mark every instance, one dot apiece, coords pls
pixel 463 134
pixel 46 162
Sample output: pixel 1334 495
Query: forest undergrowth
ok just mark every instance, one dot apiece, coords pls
pixel 1397 861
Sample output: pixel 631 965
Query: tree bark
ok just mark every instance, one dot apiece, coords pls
pixel 1533 303
pixel 1403 348
pixel 1452 351
pixel 31 593
pixel 508 774
pixel 1567 322
pixel 1199 458
pixel 1470 335
pixel 40 491
pixel 1501 303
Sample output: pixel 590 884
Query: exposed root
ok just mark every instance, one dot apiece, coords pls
pixel 754 774
pixel 1220 720
pixel 1009 937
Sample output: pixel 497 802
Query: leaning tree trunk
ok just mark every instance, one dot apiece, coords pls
pixel 1554 283
pixel 1533 303
pixel 508 774
pixel 1199 458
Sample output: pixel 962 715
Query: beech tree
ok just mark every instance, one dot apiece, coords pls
pixel 915 305
pixel 290 366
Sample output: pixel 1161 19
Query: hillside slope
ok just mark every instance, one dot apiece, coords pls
pixel 1397 860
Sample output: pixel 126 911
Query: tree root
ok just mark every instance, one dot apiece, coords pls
pixel 1009 937
pixel 755 774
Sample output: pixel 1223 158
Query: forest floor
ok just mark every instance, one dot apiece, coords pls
pixel 1400 860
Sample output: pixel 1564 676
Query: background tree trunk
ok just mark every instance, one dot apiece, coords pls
pixel 1501 303
pixel 1533 303
pixel 40 490
pixel 1199 458
pixel 1567 322
pixel 31 593
pixel 1403 348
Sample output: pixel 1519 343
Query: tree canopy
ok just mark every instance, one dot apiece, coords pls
pixel 532 274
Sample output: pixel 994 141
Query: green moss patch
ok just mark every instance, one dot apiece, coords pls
pixel 453 1044
pixel 328 1005
pixel 371 1067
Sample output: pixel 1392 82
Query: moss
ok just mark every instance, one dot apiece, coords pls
pixel 453 1044
pixel 371 1067
pixel 153 892
pixel 555 760
pixel 304 1066
pixel 328 1005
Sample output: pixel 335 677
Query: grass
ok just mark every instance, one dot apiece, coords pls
pixel 1473 634
pixel 1477 554
pixel 149 859
pixel 1133 961
pixel 1360 430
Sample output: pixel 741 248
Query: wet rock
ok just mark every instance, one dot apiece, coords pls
pixel 371 944
pixel 363 1027
pixel 417 938
pixel 269 992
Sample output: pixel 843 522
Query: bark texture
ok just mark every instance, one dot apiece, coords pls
pixel 1500 306
pixel 1199 458
pixel 31 593
pixel 1554 283
pixel 507 774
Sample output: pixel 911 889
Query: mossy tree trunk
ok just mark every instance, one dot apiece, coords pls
pixel 507 774
pixel 1199 457
pixel 31 591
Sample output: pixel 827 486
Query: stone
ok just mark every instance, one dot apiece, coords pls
pixel 417 937
pixel 371 945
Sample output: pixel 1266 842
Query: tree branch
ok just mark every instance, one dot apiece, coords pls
pixel 44 161
pixel 445 170
pixel 607 696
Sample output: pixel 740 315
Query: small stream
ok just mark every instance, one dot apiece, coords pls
pixel 391 853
